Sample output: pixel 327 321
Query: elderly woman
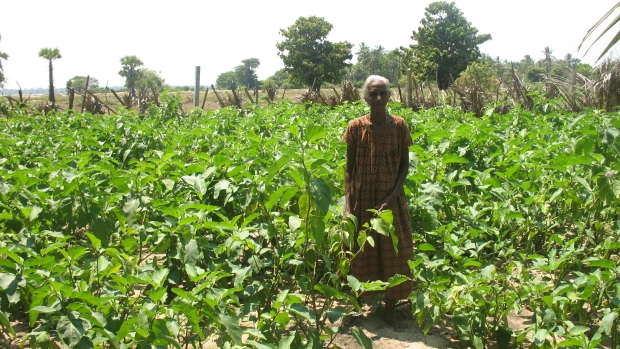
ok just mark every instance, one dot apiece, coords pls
pixel 376 168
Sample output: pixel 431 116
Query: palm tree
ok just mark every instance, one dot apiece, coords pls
pixel 374 60
pixel 547 51
pixel 595 27
pixel 50 54
pixel 5 56
pixel 363 53
pixel 130 71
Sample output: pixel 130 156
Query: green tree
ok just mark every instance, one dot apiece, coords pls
pixel 78 83
pixel 5 56
pixel 483 74
pixel 445 44
pixel 226 80
pixel 246 72
pixel 595 27
pixel 535 74
pixel 283 80
pixel 130 71
pixel 308 57
pixel 149 78
pixel 50 54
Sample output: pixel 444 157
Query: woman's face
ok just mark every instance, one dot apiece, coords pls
pixel 377 96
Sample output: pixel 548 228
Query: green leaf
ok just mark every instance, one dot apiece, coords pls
pixel 68 175
pixel 361 338
pixel 198 184
pixel 72 328
pixel 426 247
pixel 285 342
pixel 602 263
pixel 34 213
pixel 354 283
pixel 314 133
pixel 44 309
pixel 577 330
pixel 159 276
pixel 276 167
pixel 304 206
pixel 6 324
pixel 321 195
pixel 221 185
pixel 192 253
pixel 329 291
pixel 608 321
pixel 397 279
pixel 569 343
pixel 549 319
pixel 96 242
pixel 453 158
pixel 336 314
pixel 381 226
pixel 302 311
pixel 131 208
pixel 232 328
pixel 540 336
pixel 258 345
pixel 10 284
pixel 294 223
pixel 157 294
pixel 240 274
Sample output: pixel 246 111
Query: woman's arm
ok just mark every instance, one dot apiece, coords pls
pixel 348 175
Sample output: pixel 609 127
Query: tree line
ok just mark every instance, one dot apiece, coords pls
pixel 445 45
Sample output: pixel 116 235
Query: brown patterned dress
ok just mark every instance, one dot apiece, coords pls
pixel 374 176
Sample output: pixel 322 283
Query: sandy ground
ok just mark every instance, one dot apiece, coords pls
pixel 384 336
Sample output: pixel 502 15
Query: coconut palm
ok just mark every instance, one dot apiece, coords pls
pixel 374 60
pixel 595 27
pixel 50 54
pixel 547 51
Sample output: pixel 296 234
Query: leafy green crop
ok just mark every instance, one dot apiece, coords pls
pixel 174 228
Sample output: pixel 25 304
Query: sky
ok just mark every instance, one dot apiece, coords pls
pixel 173 37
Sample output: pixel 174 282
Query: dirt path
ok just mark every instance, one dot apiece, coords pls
pixel 384 336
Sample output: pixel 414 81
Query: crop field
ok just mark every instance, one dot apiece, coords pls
pixel 176 227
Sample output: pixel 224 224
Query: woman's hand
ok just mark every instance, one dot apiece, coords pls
pixel 385 204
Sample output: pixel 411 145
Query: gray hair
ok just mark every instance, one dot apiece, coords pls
pixel 373 78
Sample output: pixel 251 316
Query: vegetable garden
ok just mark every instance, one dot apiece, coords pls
pixel 170 228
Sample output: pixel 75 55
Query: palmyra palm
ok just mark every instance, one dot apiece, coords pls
pixel 50 54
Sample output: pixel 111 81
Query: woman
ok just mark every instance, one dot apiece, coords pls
pixel 377 165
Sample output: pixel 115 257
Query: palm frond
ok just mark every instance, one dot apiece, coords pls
pixel 596 26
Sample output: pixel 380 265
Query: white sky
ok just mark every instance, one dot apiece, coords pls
pixel 173 37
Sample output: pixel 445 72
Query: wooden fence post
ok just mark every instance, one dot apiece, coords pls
pixel 71 97
pixel 84 96
pixel 409 89
pixel 204 100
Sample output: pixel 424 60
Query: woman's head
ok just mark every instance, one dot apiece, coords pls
pixel 375 78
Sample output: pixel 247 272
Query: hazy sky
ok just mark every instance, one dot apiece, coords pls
pixel 172 37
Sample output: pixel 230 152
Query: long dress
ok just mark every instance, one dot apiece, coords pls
pixel 374 176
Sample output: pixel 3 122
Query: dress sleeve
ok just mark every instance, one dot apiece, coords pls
pixel 349 134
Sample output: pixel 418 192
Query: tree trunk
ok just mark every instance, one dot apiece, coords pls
pixel 51 94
